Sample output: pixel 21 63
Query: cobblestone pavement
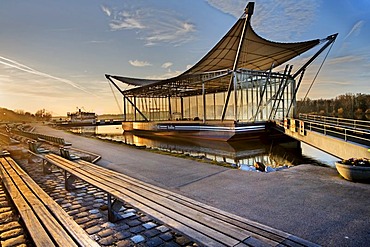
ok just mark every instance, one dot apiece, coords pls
pixel 87 205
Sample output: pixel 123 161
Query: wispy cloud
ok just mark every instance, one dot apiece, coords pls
pixel 106 10
pixel 289 17
pixel 152 25
pixel 97 41
pixel 232 7
pixel 167 65
pixel 5 78
pixel 126 20
pixel 138 63
pixel 344 60
pixel 356 29
pixel 19 66
pixel 177 33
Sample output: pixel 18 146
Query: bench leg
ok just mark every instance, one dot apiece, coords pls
pixel 113 209
pixel 30 160
pixel 68 181
pixel 46 167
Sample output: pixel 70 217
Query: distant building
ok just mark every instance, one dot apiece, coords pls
pixel 81 117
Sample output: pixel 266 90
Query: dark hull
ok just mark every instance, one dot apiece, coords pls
pixel 220 131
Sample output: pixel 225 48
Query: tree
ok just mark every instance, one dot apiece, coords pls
pixel 20 112
pixel 43 115
pixel 347 106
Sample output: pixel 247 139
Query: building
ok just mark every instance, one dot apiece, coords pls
pixel 233 92
pixel 81 118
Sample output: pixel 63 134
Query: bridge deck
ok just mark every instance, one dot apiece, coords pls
pixel 341 139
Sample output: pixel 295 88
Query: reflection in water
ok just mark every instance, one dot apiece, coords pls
pixel 319 155
pixel 242 154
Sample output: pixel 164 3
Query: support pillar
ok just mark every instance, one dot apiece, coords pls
pixel 46 167
pixel 135 118
pixel 124 110
pixel 68 181
pixel 113 209
pixel 235 97
pixel 182 107
pixel 214 106
pixel 169 108
pixel 204 102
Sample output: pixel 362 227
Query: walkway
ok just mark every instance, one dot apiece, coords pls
pixel 311 202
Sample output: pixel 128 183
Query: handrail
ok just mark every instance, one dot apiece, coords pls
pixel 345 135
pixel 343 122
pixel 357 131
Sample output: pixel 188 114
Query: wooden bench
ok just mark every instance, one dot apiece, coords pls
pixel 42 137
pixel 65 154
pixel 7 140
pixel 35 148
pixel 47 223
pixel 204 224
pixel 54 139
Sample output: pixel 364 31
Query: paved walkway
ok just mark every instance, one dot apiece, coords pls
pixel 311 202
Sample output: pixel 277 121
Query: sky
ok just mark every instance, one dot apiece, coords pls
pixel 54 54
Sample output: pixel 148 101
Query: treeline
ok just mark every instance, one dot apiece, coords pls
pixel 356 106
pixel 22 116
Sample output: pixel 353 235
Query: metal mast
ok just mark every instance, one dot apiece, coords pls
pixel 249 12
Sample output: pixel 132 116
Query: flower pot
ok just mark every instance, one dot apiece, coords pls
pixel 353 173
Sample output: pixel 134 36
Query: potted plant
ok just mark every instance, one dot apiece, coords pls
pixel 354 169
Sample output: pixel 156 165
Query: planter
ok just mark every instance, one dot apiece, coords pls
pixel 353 173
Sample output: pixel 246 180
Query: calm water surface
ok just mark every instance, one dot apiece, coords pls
pixel 242 153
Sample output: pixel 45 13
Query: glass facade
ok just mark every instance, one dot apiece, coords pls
pixel 254 96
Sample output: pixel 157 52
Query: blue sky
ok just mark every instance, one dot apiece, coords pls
pixel 54 54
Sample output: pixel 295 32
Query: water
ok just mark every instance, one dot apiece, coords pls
pixel 242 154
pixel 319 155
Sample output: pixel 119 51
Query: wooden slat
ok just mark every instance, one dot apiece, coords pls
pixel 205 221
pixel 78 234
pixel 173 220
pixel 257 230
pixel 142 205
pixel 188 212
pixel 226 224
pixel 217 224
pixel 58 233
pixel 203 234
pixel 35 228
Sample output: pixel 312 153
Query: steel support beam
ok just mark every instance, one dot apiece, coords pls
pixel 294 98
pixel 263 92
pixel 249 11
pixel 278 93
pixel 182 107
pixel 204 102
pixel 330 39
pixel 235 97
pixel 115 85
pixel 169 107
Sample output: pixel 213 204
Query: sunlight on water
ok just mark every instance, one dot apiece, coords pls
pixel 242 154
pixel 319 155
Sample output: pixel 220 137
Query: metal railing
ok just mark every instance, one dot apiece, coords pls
pixel 357 131
pixel 339 122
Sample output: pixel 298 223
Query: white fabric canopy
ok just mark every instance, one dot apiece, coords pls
pixel 256 53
